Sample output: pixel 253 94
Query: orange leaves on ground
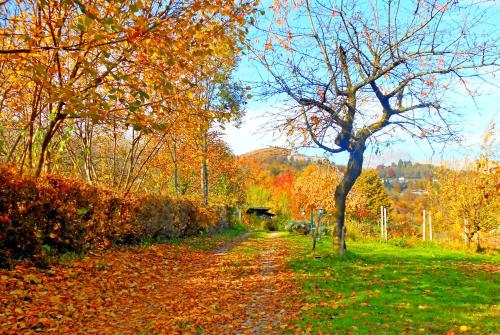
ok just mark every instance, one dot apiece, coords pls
pixel 165 289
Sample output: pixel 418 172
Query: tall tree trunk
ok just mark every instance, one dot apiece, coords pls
pixel 478 245
pixel 176 168
pixel 352 172
pixel 44 157
pixel 204 169
pixel 316 232
pixel 86 138
pixel 115 146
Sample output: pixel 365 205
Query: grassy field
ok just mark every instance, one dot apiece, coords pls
pixel 383 289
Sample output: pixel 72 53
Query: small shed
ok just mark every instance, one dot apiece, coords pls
pixel 260 212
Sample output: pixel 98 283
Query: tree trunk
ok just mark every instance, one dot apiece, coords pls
pixel 44 157
pixel 352 172
pixel 478 245
pixel 204 169
pixel 316 232
pixel 176 169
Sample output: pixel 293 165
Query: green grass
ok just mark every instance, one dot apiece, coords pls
pixel 384 289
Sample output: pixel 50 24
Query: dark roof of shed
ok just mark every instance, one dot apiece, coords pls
pixel 259 211
pixel 259 208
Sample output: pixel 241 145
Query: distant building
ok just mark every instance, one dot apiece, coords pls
pixel 295 156
pixel 419 192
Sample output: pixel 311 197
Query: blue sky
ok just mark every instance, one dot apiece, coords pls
pixel 257 130
pixel 256 133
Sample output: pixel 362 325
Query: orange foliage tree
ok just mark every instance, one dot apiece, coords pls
pixel 315 185
pixel 100 88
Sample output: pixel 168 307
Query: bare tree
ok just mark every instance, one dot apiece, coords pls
pixel 356 73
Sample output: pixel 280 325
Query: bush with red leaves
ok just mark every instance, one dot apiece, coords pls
pixel 70 215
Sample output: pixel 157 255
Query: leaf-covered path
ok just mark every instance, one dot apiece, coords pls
pixel 162 289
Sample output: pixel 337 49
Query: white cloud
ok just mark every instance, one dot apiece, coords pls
pixel 255 132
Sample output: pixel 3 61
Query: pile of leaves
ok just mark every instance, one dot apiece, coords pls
pixel 162 289
pixel 52 215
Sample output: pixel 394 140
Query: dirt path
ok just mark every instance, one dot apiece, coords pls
pixel 258 319
pixel 163 289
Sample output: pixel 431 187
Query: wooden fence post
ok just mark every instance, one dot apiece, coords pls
pixel 430 225
pixel 423 226
pixel 385 224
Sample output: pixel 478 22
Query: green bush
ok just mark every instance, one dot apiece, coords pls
pixel 282 219
pixel 409 242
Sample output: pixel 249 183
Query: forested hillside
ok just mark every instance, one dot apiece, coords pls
pixel 406 189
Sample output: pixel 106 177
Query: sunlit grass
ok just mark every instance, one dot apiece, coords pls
pixel 383 289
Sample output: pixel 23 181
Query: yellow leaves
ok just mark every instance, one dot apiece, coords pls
pixel 308 306
pixel 315 186
pixel 423 307
pixel 464 329
pixel 55 299
pixel 32 279
pixel 135 41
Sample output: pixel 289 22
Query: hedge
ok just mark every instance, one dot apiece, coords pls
pixel 61 215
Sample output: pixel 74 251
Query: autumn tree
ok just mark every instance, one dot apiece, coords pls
pixel 72 65
pixel 219 101
pixel 314 186
pixel 469 199
pixel 367 196
pixel 226 179
pixel 359 73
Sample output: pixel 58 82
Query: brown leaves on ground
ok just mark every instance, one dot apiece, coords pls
pixel 163 289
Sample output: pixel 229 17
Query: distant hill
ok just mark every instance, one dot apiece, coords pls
pixel 279 160
pixel 268 154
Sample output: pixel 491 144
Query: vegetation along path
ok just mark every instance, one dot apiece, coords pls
pixel 188 288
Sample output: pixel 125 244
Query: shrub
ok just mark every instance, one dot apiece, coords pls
pixel 269 225
pixel 281 219
pixel 300 227
pixel 326 230
pixel 356 230
pixel 61 215
pixel 409 242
